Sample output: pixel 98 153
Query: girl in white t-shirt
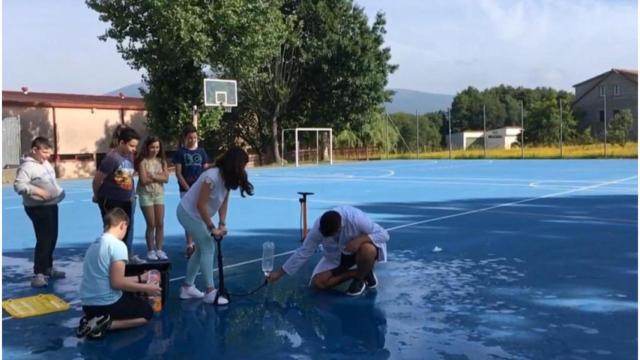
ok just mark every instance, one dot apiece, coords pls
pixel 208 195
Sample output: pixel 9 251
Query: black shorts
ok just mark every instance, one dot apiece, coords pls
pixel 347 262
pixel 129 306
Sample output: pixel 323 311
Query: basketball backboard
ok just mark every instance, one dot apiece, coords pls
pixel 219 92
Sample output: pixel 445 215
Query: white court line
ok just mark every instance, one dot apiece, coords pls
pixel 512 203
pixel 240 264
pixel 430 220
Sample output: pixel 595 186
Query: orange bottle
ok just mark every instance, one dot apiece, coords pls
pixel 155 301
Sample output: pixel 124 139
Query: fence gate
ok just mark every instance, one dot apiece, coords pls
pixel 10 141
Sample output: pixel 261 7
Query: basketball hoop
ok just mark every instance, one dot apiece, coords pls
pixel 221 93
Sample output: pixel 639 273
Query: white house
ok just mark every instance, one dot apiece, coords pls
pixel 502 138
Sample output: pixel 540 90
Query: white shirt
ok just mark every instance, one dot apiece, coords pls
pixel 354 223
pixel 218 191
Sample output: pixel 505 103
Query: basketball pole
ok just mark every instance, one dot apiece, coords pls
pixel 194 114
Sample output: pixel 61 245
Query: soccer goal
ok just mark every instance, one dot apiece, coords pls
pixel 305 148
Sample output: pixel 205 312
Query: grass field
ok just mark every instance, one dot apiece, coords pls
pixel 630 150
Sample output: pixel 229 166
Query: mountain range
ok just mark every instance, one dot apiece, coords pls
pixel 404 100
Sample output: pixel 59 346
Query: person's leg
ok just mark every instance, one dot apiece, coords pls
pixel 129 207
pixel 193 265
pixel 130 311
pixel 129 323
pixel 54 231
pixel 187 236
pixel 327 280
pixel 204 244
pixel 330 278
pixel 149 218
pixel 159 225
pixel 365 260
pixel 41 252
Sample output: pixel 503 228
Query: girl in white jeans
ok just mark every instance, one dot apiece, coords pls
pixel 208 195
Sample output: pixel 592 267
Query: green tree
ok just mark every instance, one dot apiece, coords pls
pixel 345 67
pixel 620 127
pixel 178 43
pixel 330 71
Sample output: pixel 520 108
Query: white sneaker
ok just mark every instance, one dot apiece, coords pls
pixel 135 259
pixel 210 297
pixel 162 255
pixel 152 255
pixel 190 292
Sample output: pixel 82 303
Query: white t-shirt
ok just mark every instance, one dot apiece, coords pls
pixel 218 191
pixel 95 288
pixel 353 223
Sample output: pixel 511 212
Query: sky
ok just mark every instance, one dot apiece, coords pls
pixel 441 46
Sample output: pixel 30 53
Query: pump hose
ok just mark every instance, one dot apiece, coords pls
pixel 264 283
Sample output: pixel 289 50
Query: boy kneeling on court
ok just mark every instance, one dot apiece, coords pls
pixel 107 296
pixel 349 239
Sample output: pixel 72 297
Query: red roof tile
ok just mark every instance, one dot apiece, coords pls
pixel 71 100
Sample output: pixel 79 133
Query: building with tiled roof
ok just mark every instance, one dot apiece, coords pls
pixel 614 90
pixel 79 126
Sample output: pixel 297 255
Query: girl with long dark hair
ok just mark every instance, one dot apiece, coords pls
pixel 208 195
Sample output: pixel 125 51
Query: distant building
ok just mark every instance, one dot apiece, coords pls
pixel 79 127
pixel 502 138
pixel 618 88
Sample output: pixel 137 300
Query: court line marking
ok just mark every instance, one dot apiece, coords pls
pixel 426 221
pixel 584 188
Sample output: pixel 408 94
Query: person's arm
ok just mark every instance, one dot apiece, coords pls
pixel 22 185
pixel 145 177
pixel 98 179
pixel 203 199
pixel 222 213
pixel 302 254
pixel 163 177
pixel 181 180
pixel 129 284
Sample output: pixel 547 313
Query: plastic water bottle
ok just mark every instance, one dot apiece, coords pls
pixel 156 301
pixel 268 249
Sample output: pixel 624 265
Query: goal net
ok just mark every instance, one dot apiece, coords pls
pixel 307 145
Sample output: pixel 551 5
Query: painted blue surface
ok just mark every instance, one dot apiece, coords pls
pixel 538 262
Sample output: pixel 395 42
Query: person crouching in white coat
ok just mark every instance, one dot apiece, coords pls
pixel 348 237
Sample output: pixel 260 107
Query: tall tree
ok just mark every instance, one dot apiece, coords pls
pixel 620 127
pixel 178 43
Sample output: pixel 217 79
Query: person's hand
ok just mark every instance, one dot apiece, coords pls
pixel 223 230
pixel 44 194
pixel 153 289
pixel 191 248
pixel 217 233
pixel 275 276
pixel 144 276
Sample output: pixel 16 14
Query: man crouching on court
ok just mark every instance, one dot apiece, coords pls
pixel 348 237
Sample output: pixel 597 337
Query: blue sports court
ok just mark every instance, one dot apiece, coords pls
pixel 533 259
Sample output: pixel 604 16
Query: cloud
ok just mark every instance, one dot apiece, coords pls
pixel 445 46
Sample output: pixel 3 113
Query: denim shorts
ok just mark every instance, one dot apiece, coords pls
pixel 150 199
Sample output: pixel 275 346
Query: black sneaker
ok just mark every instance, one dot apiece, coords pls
pixel 356 288
pixel 371 280
pixel 93 328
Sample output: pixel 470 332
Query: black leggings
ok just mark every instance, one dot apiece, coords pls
pixel 45 225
